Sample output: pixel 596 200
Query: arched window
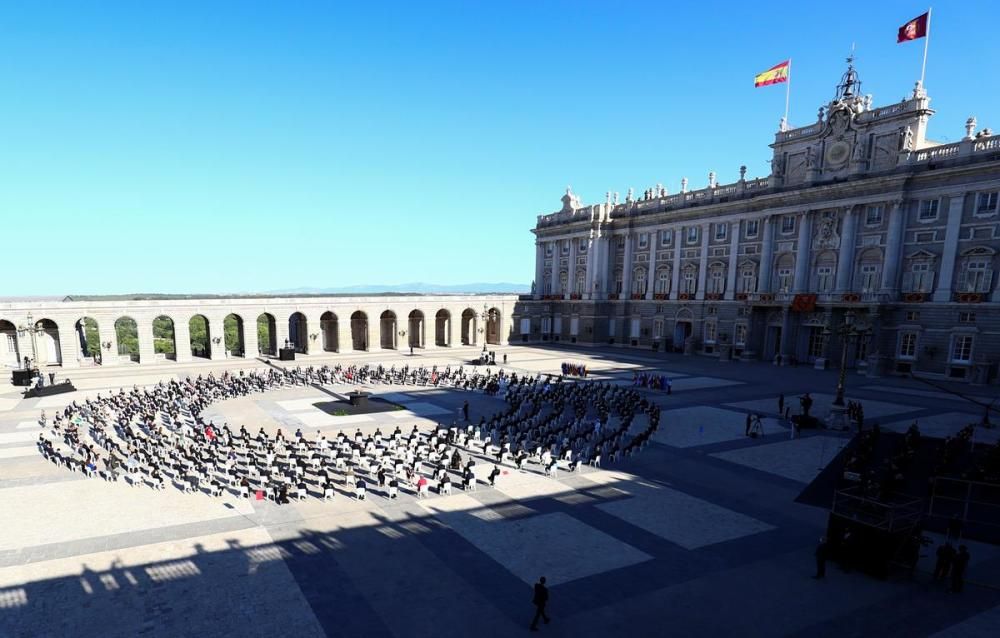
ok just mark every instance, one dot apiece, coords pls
pixel 690 285
pixel 918 273
pixel 823 271
pixel 784 267
pixel 579 287
pixel 547 283
pixel 869 276
pixel 563 282
pixel 639 281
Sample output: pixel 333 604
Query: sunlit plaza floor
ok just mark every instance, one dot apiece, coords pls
pixel 698 535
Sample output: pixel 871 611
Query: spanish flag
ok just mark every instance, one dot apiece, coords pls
pixel 775 75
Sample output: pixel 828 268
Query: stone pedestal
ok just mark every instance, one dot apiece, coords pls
pixel 837 419
pixel 821 363
pixel 725 352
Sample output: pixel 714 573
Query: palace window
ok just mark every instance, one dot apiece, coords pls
pixel 824 278
pixel 913 315
pixel 643 241
pixel 966 317
pixel 961 349
pixel 662 286
pixel 618 282
pixel 986 203
pixel 873 215
pixel 740 334
pixel 920 278
pixel 692 235
pixel 869 277
pixel 548 249
pixel 666 236
pixel 748 279
pixel 784 279
pixel 710 330
pixel 787 224
pixel 861 349
pixel 908 345
pixel 716 281
pixel 752 227
pixel 583 246
pixel 690 281
pixel 720 232
pixel 565 247
pixel 563 282
pixel 928 210
pixel 620 242
pixel 581 283
pixel 639 281
pixel 658 328
pixel 976 276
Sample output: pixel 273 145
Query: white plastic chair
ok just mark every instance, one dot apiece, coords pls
pixel 359 493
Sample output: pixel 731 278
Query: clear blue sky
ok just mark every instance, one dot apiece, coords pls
pixel 240 146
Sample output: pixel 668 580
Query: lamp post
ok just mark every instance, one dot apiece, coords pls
pixel 33 329
pixel 847 331
pixel 485 318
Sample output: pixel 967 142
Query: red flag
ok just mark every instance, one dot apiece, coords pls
pixel 914 29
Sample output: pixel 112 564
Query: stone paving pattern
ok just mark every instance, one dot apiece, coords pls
pixel 698 535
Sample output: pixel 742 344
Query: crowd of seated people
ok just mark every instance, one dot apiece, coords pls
pixel 156 436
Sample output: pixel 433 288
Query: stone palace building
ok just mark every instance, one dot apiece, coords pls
pixel 868 241
pixel 78 332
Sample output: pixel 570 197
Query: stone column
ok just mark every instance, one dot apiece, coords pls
pixel 894 249
pixel 703 262
pixel 802 259
pixel 344 341
pixel 571 270
pixel 217 330
pixel 627 268
pixel 734 250
pixel 845 256
pixel 106 331
pixel 147 344
pixel 554 275
pixel 281 328
pixel 786 329
pixel 602 268
pixel 539 268
pixel 949 254
pixel 69 347
pixel 766 256
pixel 651 273
pixel 588 278
pixel 675 274
pixel 182 341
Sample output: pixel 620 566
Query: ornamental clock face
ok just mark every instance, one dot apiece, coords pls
pixel 837 153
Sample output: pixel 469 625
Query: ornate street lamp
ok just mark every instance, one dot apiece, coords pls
pixel 33 329
pixel 484 317
pixel 848 332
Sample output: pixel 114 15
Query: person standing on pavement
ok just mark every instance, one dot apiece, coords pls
pixel 781 403
pixel 821 552
pixel 958 566
pixel 539 600
pixel 465 411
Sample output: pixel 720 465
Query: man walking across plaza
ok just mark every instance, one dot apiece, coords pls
pixel 465 411
pixel 540 599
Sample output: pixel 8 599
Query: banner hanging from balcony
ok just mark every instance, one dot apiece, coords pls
pixel 804 303
pixel 775 75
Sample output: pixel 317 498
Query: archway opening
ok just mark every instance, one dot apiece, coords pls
pixel 416 329
pixel 232 328
pixel 201 338
pixel 359 331
pixel 164 339
pixel 328 328
pixel 89 336
pixel 468 327
pixel 387 330
pixel 442 328
pixel 9 355
pixel 298 332
pixel 127 334
pixel 267 335
pixel 47 349
pixel 493 326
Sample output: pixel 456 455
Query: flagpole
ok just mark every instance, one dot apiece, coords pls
pixel 927 41
pixel 788 91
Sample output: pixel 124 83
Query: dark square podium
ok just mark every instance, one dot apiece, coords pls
pixel 286 354
pixel 358 399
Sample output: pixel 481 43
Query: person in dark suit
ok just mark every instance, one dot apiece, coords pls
pixel 958 567
pixel 465 410
pixel 540 599
pixel 821 553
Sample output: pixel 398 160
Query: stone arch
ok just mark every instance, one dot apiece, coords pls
pixel 164 338
pixel 88 334
pixel 468 327
pixel 298 332
pixel 442 328
pixel 10 356
pixel 48 351
pixel 328 328
pixel 493 325
pixel 359 330
pixel 201 336
pixel 416 329
pixel 234 329
pixel 127 335
pixel 387 330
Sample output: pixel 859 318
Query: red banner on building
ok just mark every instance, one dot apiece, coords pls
pixel 804 303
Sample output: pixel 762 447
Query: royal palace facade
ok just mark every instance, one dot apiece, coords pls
pixel 868 242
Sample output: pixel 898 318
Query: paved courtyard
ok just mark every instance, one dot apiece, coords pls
pixel 698 535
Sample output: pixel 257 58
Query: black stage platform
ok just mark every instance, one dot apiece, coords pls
pixel 359 399
pixel 23 377
pixel 49 390
pixel 286 354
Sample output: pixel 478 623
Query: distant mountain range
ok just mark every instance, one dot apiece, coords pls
pixel 416 287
